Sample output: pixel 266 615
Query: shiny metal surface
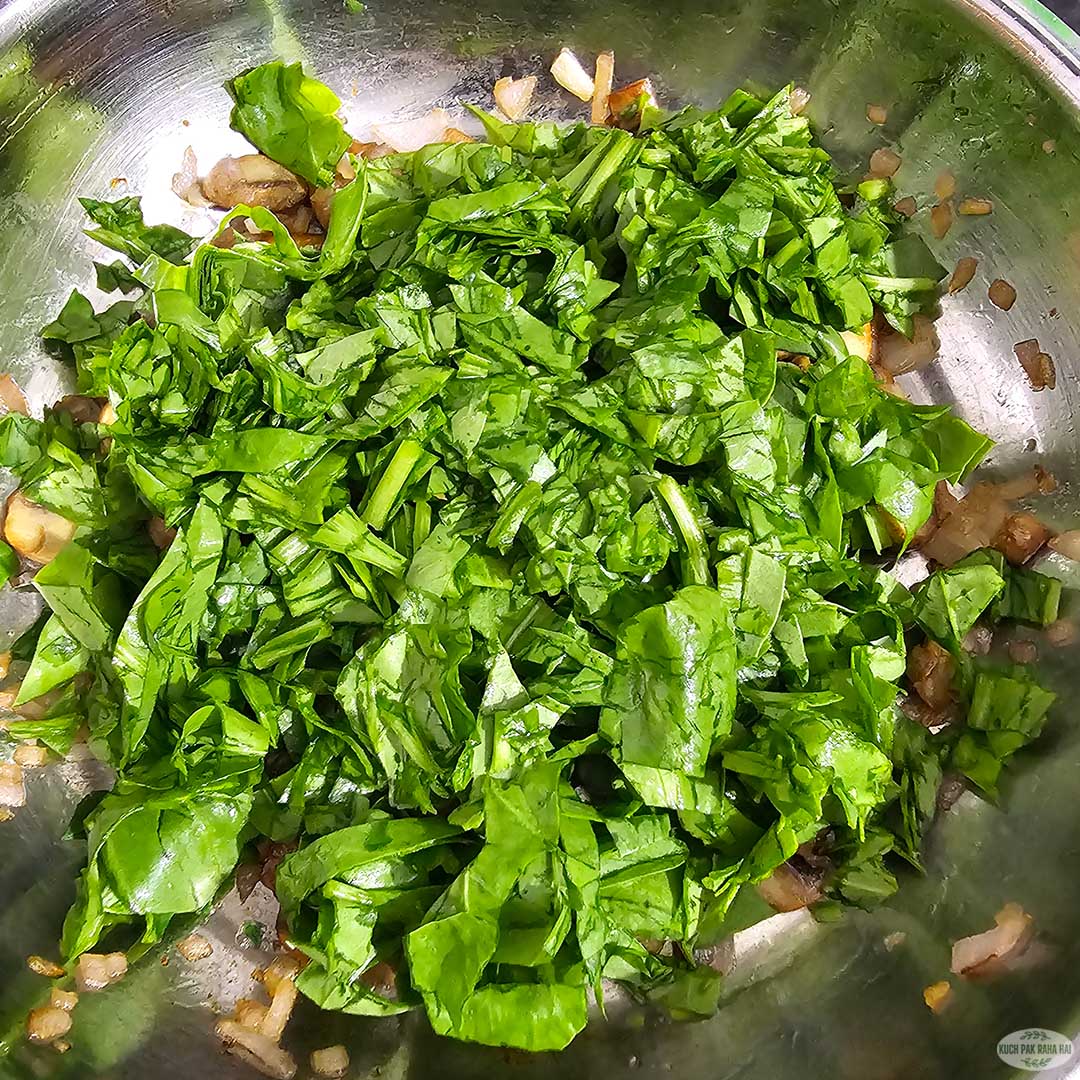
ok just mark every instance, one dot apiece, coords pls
pixel 100 97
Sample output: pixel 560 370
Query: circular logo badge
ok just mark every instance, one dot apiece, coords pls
pixel 1035 1049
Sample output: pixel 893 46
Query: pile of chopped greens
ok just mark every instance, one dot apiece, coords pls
pixel 518 582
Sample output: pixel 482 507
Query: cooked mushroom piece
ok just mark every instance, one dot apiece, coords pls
pixel 253 180
pixel 82 409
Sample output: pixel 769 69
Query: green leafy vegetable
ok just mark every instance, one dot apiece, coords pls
pixel 120 225
pixel 503 534
pixel 290 117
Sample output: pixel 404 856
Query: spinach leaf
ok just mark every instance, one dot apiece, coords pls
pixel 671 693
pixel 949 602
pixel 119 225
pixel 290 117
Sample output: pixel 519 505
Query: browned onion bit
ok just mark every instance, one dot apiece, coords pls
pixel 282 1002
pixel 966 524
pixel 12 789
pixel 95 971
pixel 877 114
pixel 33 531
pixel 1045 481
pixel 250 1013
pixel 798 99
pixel 978 640
pixel 884 162
pixel 897 355
pixel 513 96
pixel 1046 377
pixel 930 670
pixel 603 75
pixel 962 275
pixel 455 135
pixel 1067 544
pixel 247 877
pixel 63 999
pixel 31 755
pixel 941 219
pixel 625 103
pixel 945 185
pixel 331 1061
pixel 47 1023
pixel 194 947
pixel 11 397
pixel 970 207
pixel 937 996
pixel 907 206
pixel 257 1050
pixel 161 534
pixel 1002 294
pixel 40 966
pixel 988 953
pixel 1037 365
pixel 952 786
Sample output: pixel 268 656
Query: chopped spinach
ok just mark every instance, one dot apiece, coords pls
pixel 503 528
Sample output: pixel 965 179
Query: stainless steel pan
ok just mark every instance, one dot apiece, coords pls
pixel 101 97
